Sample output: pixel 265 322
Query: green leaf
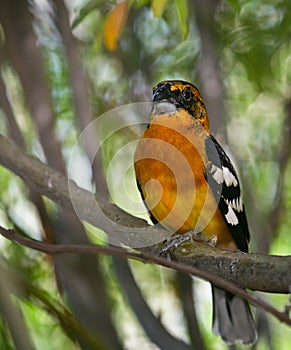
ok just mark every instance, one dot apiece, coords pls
pixel 158 7
pixel 183 15
pixel 84 12
pixel 140 3
pixel 234 4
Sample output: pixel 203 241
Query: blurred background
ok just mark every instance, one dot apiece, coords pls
pixel 64 64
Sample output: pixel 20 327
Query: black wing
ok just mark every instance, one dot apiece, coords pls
pixel 223 180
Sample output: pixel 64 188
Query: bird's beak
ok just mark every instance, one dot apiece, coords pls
pixel 163 102
pixel 162 93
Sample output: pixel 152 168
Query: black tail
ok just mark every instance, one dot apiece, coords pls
pixel 232 318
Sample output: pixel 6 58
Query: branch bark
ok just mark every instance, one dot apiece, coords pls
pixel 254 271
pixel 80 90
pixel 53 249
pixel 208 70
pixel 152 325
pixel 11 312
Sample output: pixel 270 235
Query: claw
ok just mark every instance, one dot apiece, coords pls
pixel 173 242
pixel 212 241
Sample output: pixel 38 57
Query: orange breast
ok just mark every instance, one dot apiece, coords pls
pixel 169 166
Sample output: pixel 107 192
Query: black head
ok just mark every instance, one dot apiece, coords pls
pixel 182 94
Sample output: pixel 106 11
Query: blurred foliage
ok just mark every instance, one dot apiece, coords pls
pixel 126 48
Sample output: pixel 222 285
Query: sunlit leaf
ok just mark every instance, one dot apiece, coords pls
pixel 235 4
pixel 158 7
pixel 141 3
pixel 183 14
pixel 84 11
pixel 114 24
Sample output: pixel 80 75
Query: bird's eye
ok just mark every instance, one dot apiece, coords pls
pixel 187 94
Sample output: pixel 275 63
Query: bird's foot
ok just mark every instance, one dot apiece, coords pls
pixel 212 241
pixel 173 242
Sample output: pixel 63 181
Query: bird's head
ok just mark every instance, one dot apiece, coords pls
pixel 171 96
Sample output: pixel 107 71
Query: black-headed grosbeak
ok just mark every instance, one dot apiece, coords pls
pixel 189 184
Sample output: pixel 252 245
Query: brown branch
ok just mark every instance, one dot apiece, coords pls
pixel 185 289
pixel 278 202
pixel 54 185
pixel 253 271
pixel 151 324
pixel 7 108
pixel 73 271
pixel 93 249
pixel 208 69
pixel 17 22
pixel 80 90
pixel 15 132
pixel 11 312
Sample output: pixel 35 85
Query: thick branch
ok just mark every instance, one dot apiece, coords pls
pixel 54 185
pixel 93 249
pixel 253 271
pixel 260 272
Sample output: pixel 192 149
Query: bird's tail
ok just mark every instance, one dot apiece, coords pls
pixel 232 318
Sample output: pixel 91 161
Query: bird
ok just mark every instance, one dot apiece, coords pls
pixel 189 185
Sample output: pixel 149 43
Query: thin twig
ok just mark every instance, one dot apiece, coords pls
pixel 52 249
pixel 253 271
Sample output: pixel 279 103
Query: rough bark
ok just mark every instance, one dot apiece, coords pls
pixel 254 271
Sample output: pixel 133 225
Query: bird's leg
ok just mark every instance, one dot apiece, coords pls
pixel 173 242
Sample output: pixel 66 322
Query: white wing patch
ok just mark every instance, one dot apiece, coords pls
pixel 223 175
pixel 217 174
pixel 236 203
pixel 231 217
pixel 229 178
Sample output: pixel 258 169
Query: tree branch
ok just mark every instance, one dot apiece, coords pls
pixel 80 88
pixel 52 249
pixel 11 312
pixel 151 324
pixel 49 182
pixel 253 271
